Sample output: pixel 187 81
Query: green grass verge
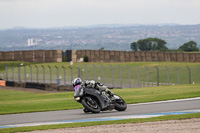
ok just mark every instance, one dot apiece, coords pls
pixel 13 63
pixel 12 101
pixel 84 124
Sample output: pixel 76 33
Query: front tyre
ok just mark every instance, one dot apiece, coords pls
pixel 120 105
pixel 90 104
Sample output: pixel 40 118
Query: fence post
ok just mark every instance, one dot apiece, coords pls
pixel 50 74
pixel 147 75
pixel 167 74
pixel 12 73
pixel 129 76
pixel 177 74
pixel 157 75
pixel 1 75
pixel 86 71
pixel 30 72
pixel 199 71
pixel 95 72
pixel 6 67
pixel 43 73
pixel 189 74
pixel 120 76
pixel 57 71
pixel 81 72
pixel 25 73
pixel 64 75
pixel 112 75
pixel 19 74
pixel 78 71
pixel 36 73
pixel 103 73
pixel 138 71
pixel 71 73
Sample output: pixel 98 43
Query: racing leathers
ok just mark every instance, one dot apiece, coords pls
pixel 97 85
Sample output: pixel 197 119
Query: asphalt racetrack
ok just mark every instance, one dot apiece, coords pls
pixel 78 114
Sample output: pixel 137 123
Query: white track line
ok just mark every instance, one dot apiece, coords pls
pixel 168 101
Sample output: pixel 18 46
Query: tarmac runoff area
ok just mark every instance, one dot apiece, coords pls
pixel 103 118
pixel 134 111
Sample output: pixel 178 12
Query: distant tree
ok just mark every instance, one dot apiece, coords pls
pixel 85 58
pixel 172 50
pixel 134 46
pixel 145 44
pixel 102 48
pixel 149 44
pixel 158 44
pixel 189 47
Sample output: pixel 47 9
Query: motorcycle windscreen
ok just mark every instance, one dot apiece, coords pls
pixel 78 90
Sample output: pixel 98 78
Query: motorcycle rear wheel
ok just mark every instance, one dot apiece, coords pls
pixel 91 106
pixel 85 110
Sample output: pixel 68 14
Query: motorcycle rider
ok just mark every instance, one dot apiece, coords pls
pixel 92 84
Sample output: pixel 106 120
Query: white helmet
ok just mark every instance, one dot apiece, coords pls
pixel 76 81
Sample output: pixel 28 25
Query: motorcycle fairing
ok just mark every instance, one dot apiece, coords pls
pixel 96 94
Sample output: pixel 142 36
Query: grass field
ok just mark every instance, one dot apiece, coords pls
pixel 87 71
pixel 12 101
pixel 12 63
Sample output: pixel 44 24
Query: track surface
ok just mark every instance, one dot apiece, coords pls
pixel 133 109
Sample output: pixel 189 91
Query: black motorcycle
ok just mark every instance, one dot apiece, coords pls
pixel 95 101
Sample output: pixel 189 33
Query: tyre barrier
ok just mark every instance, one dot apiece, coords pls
pixel 19 84
pixel 65 88
pixel 41 86
pixel 31 85
pixel 52 87
pixel 10 83
pixel 35 85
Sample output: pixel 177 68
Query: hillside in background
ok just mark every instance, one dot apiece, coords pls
pixel 111 37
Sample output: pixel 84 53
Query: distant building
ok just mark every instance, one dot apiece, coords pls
pixel 32 42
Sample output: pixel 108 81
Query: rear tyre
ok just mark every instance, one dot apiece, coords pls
pixel 86 111
pixel 120 105
pixel 90 105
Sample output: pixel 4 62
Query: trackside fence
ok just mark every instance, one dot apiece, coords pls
pixel 114 76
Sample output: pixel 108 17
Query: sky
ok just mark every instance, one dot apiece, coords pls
pixel 66 13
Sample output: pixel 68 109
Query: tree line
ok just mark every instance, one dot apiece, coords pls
pixel 157 44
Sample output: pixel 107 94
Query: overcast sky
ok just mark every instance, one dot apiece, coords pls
pixel 59 13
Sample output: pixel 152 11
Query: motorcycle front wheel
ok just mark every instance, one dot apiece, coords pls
pixel 120 105
pixel 90 104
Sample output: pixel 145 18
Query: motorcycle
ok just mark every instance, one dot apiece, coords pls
pixel 95 101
